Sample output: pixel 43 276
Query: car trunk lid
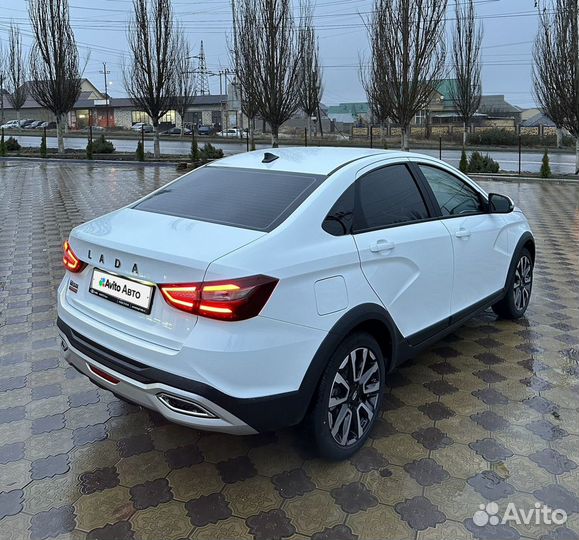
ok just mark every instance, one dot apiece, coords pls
pixel 152 249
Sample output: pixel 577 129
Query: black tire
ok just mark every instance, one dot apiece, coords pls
pixel 519 289
pixel 365 398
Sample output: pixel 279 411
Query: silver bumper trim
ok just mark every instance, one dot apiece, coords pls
pixel 148 395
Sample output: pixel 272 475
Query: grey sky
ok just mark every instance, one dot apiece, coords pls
pixel 509 25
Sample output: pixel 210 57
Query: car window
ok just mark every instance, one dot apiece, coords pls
pixel 387 196
pixel 339 220
pixel 454 196
pixel 246 198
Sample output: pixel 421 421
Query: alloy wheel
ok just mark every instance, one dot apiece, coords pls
pixel 354 396
pixel 523 283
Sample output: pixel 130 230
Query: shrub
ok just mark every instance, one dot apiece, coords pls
pixel 545 166
pixel 12 145
pixel 210 152
pixel 499 137
pixel 482 164
pixel 195 155
pixel 140 153
pixel 102 146
pixel 43 149
pixel 89 150
pixel 463 162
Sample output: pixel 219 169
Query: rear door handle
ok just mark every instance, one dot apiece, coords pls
pixel 381 245
pixel 462 233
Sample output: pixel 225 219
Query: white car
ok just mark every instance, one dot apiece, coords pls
pixel 11 124
pixel 268 288
pixel 234 133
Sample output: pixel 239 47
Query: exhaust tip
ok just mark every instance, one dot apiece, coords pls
pixel 184 406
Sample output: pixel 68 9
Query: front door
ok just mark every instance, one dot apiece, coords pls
pixel 479 239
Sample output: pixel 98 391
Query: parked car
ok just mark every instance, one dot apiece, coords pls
pixel 33 125
pixel 205 130
pixel 176 131
pixel 12 124
pixel 47 125
pixel 233 133
pixel 265 289
pixel 140 126
pixel 94 128
pixel 25 123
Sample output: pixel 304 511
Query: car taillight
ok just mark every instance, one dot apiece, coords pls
pixel 232 300
pixel 71 262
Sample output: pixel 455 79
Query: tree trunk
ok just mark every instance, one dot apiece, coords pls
pixel 182 126
pixel 156 143
pixel 559 132
pixel 464 135
pixel 382 138
pixel 405 139
pixel 577 155
pixel 251 122
pixel 60 125
pixel 274 136
pixel 18 117
pixel 309 125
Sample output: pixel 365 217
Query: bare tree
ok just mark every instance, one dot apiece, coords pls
pixel 2 82
pixel 556 69
pixel 466 48
pixel 371 78
pixel 310 82
pixel 243 52
pixel 150 78
pixel 184 77
pixel 16 71
pixel 274 55
pixel 54 63
pixel 408 51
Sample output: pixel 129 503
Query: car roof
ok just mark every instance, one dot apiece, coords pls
pixel 310 160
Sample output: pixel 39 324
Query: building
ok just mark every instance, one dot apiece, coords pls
pixel 95 108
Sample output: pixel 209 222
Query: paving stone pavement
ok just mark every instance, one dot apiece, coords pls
pixel 488 414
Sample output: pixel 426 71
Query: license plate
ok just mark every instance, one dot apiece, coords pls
pixel 122 291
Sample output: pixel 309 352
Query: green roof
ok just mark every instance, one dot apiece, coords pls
pixel 349 108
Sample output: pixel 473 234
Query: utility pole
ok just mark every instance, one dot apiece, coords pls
pixel 105 72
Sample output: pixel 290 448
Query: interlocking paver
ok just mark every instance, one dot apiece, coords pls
pixel 488 414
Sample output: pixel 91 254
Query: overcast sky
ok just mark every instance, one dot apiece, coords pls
pixel 509 29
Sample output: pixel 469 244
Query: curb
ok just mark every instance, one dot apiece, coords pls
pixel 516 178
pixel 93 161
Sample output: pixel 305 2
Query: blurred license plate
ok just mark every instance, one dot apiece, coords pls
pixel 122 291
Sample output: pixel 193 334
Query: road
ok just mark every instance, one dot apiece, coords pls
pixel 508 160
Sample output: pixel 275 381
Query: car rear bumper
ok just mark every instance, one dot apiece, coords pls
pixel 175 404
pixel 148 386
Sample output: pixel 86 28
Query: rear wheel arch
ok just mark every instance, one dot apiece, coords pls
pixel 366 318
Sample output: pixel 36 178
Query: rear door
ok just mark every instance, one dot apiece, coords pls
pixel 406 254
pixel 479 239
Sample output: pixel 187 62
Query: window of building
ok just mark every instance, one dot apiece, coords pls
pixel 140 117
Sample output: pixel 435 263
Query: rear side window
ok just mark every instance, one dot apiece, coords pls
pixel 246 198
pixel 386 197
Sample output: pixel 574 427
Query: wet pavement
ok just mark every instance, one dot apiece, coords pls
pixel 488 415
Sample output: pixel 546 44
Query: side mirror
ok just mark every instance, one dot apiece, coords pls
pixel 500 204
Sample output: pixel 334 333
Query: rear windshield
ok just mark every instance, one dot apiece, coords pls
pixel 246 198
